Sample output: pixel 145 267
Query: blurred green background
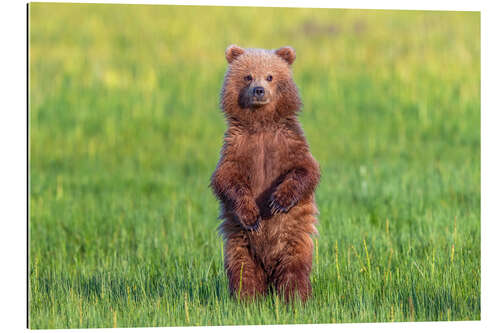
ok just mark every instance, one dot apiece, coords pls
pixel 125 132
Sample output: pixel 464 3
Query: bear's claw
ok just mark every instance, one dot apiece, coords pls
pixel 252 227
pixel 248 214
pixel 277 207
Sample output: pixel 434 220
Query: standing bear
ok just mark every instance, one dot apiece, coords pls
pixel 265 178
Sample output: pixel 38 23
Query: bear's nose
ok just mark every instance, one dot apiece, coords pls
pixel 259 92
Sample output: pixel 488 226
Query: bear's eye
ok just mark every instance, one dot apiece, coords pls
pixel 269 78
pixel 248 78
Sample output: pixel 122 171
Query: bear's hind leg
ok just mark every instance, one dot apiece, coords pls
pixel 291 275
pixel 247 278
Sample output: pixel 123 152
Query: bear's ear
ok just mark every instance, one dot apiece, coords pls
pixel 233 52
pixel 286 53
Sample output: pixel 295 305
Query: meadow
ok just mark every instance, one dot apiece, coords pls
pixel 125 131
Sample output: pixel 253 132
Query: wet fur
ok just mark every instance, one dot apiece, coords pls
pixel 265 180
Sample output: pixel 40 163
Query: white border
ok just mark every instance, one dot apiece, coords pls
pixel 13 163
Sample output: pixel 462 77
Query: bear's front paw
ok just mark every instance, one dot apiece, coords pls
pixel 248 214
pixel 282 200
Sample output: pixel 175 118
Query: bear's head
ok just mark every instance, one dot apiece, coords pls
pixel 259 84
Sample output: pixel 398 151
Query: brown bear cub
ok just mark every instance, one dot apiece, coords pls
pixel 265 178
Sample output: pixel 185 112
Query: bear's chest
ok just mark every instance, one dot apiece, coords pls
pixel 268 159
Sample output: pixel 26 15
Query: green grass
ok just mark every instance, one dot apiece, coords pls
pixel 125 132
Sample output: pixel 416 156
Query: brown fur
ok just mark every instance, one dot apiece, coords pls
pixel 265 178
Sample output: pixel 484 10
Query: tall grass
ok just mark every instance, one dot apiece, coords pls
pixel 125 132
